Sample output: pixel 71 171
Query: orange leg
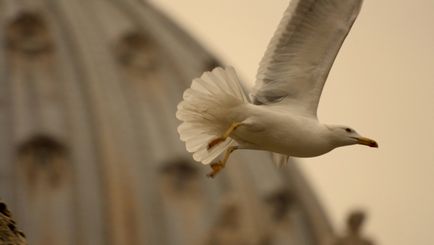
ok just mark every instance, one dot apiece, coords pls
pixel 228 132
pixel 218 166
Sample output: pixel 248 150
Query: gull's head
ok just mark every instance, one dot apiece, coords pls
pixel 342 135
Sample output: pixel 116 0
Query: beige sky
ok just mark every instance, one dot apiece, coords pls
pixel 382 84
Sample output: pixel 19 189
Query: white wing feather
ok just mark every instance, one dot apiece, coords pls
pixel 302 51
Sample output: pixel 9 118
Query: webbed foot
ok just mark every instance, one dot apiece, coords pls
pixel 216 168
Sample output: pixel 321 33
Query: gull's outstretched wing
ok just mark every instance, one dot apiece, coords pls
pixel 302 51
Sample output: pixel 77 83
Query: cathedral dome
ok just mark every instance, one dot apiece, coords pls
pixel 89 152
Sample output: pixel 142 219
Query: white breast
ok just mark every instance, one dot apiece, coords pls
pixel 284 133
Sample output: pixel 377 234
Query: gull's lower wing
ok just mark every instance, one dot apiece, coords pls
pixel 279 160
pixel 302 51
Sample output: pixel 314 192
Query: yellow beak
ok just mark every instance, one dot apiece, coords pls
pixel 366 141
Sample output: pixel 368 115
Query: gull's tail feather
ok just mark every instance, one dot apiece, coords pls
pixel 204 112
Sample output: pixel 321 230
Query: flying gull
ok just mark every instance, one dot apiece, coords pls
pixel 280 115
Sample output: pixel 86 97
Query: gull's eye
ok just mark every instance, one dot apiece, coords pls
pixel 348 130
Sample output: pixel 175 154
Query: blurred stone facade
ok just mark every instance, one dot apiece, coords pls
pixel 89 152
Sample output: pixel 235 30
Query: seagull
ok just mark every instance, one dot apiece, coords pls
pixel 279 114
